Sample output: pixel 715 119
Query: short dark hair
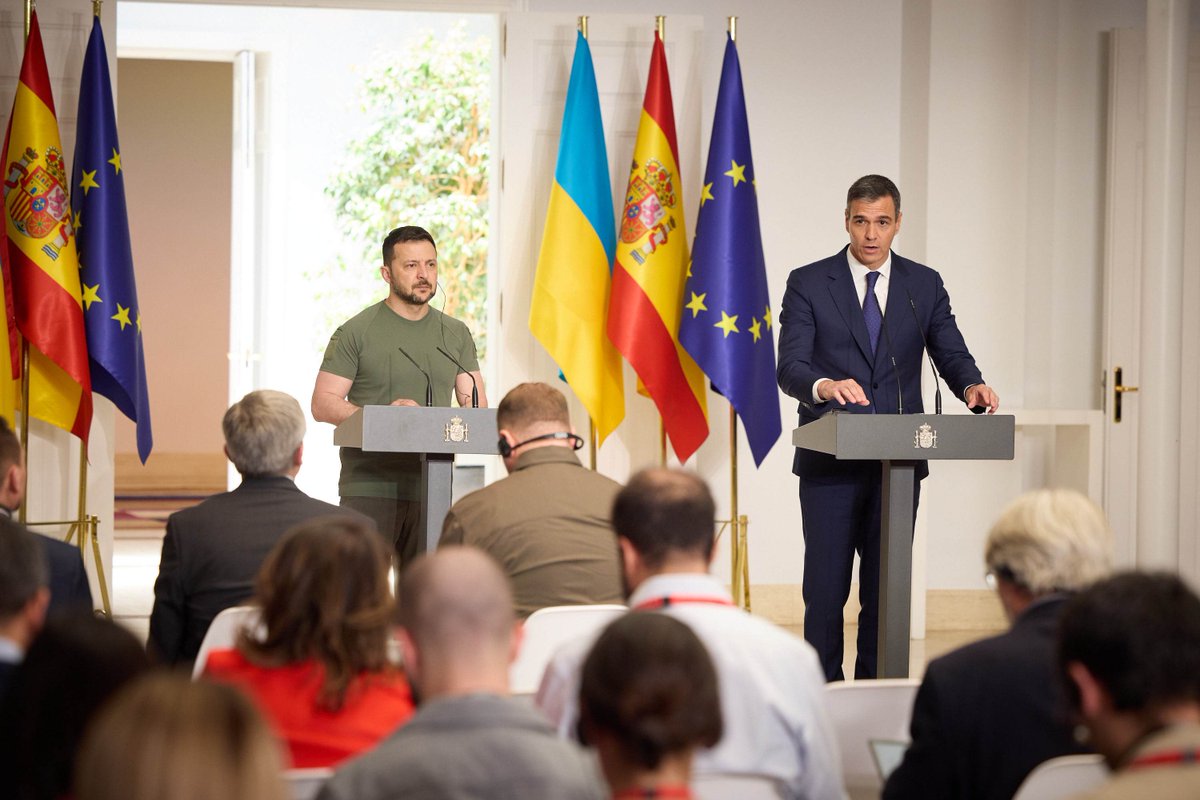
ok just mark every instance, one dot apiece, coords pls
pixel 530 403
pixel 871 188
pixel 650 682
pixel 1138 634
pixel 661 511
pixel 405 233
pixel 22 567
pixel 10 447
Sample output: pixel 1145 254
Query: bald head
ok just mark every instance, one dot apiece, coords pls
pixel 456 607
pixel 666 513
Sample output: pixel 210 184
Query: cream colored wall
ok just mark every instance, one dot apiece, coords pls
pixel 176 122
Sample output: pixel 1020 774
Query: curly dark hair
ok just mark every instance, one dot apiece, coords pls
pixel 324 595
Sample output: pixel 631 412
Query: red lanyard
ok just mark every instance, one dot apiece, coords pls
pixel 1166 757
pixel 640 793
pixel 680 599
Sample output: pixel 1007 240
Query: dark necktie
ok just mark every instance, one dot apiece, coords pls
pixel 872 314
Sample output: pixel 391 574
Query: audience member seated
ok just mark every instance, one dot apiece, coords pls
pixel 648 698
pixel 319 669
pixel 1129 650
pixel 469 738
pixel 67 578
pixel 164 737
pixel 23 597
pixel 73 666
pixel 772 686
pixel 212 551
pixel 547 523
pixel 990 712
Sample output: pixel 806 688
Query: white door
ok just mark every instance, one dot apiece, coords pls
pixel 537 65
pixel 1122 289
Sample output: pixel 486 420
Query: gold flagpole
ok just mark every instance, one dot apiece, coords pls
pixel 583 26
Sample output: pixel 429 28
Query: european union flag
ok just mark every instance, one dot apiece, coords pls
pixel 727 320
pixel 111 315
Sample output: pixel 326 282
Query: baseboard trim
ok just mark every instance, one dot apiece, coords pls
pixel 945 609
pixel 184 474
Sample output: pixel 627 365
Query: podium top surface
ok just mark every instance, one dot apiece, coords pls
pixel 909 437
pixel 420 429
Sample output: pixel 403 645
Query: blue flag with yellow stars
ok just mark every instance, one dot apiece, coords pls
pixel 111 315
pixel 727 323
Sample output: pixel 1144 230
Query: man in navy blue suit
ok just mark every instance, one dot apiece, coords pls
pixel 853 330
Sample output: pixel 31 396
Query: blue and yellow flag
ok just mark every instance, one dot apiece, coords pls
pixel 111 314
pixel 573 281
pixel 727 318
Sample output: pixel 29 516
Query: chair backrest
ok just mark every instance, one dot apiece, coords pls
pixel 303 784
pixel 545 631
pixel 1065 776
pixel 719 786
pixel 222 633
pixel 864 710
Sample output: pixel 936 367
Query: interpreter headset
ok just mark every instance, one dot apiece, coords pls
pixel 507 449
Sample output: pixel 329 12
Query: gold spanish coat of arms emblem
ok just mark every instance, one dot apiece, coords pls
pixel 35 194
pixel 457 430
pixel 925 438
pixel 648 207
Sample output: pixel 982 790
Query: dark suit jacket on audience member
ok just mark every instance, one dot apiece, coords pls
pixel 211 554
pixel 67 579
pixel 987 714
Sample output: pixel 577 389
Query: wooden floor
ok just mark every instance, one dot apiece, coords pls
pixel 138 544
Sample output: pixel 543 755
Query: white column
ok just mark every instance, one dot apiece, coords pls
pixel 1162 284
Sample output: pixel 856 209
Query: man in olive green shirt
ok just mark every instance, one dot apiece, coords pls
pixel 388 355
pixel 547 523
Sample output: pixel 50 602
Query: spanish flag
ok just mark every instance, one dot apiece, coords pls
pixel 41 251
pixel 651 267
pixel 572 284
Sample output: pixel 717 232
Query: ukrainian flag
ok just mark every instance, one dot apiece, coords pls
pixel 573 280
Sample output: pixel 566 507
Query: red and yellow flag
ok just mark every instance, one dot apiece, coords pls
pixel 650 270
pixel 42 261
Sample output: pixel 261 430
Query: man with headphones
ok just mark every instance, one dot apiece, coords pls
pixel 548 522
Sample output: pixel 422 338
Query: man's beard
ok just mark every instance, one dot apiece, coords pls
pixel 412 298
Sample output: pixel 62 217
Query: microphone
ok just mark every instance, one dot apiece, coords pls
pixel 937 396
pixel 428 382
pixel 463 370
pixel 887 339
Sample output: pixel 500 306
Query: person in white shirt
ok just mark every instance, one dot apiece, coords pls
pixel 771 683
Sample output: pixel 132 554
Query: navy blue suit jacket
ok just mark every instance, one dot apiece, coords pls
pixel 823 335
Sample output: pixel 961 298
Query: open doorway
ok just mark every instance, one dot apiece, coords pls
pixel 335 121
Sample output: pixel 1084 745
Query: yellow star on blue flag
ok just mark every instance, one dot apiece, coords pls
pixel 729 270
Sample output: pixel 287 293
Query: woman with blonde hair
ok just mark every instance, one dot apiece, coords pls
pixel 317 665
pixel 164 737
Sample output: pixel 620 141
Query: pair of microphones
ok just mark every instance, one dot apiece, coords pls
pixel 887 339
pixel 429 380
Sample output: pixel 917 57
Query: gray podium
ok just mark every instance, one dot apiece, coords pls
pixel 435 434
pixel 899 441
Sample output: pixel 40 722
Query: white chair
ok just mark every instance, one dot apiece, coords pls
pixel 222 633
pixel 1065 776
pixel 864 710
pixel 742 787
pixel 545 631
pixel 303 784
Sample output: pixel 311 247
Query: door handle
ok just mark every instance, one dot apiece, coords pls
pixel 1119 389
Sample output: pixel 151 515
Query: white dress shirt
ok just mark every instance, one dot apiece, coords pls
pixel 772 690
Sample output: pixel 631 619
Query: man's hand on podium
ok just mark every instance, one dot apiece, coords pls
pixel 981 395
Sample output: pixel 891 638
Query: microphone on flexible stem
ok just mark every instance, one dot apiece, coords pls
pixel 937 395
pixel 428 382
pixel 887 340
pixel 463 370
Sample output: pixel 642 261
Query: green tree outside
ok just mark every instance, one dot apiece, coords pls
pixel 421 159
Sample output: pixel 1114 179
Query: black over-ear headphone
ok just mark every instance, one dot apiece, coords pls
pixel 507 449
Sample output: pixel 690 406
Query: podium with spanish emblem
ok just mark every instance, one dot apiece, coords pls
pixel 900 441
pixel 434 433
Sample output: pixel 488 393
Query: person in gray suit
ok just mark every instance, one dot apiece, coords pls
pixel 213 550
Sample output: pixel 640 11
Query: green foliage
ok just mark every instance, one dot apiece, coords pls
pixel 421 159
